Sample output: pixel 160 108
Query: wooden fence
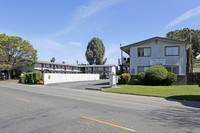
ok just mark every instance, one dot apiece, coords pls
pixel 193 78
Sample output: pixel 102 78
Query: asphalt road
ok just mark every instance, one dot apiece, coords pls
pixel 54 109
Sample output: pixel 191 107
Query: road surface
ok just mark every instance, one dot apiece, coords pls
pixel 59 109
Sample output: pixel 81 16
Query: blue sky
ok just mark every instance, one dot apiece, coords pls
pixel 63 28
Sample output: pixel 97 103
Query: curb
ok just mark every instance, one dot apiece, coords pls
pixel 95 89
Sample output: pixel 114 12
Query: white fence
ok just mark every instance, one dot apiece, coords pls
pixel 52 78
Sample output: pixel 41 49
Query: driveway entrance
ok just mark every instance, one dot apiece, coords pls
pixel 93 85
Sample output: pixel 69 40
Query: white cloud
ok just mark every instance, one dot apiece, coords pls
pixel 75 43
pixel 93 7
pixel 85 11
pixel 189 14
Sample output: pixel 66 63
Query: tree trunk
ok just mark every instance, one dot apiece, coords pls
pixel 9 77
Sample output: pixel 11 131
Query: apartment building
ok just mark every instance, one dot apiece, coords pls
pixel 50 67
pixel 157 51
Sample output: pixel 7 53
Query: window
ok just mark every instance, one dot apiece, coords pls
pixel 143 68
pixel 144 52
pixel 174 69
pixel 172 51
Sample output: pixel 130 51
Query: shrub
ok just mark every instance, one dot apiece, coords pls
pixel 171 78
pixel 40 82
pixel 141 77
pixel 22 79
pixel 156 74
pixel 37 76
pixel 120 80
pixel 137 82
pixel 29 78
pixel 33 77
pixel 126 77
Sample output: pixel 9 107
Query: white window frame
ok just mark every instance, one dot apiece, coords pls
pixel 144 68
pixel 173 54
pixel 143 54
pixel 172 69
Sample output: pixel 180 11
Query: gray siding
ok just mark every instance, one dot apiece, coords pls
pixel 158 52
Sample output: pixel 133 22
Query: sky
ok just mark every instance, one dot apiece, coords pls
pixel 63 28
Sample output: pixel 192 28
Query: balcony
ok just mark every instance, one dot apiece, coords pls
pixel 124 62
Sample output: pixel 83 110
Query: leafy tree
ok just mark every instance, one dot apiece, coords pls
pixel 95 52
pixel 53 59
pixel 63 62
pixel 187 34
pixel 15 52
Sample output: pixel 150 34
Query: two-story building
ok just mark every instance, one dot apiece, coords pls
pixel 50 67
pixel 158 51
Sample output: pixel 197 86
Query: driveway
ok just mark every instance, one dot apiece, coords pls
pixel 94 85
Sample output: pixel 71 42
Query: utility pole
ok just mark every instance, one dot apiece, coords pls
pixel 190 51
pixel 121 65
pixel 121 55
pixel 189 62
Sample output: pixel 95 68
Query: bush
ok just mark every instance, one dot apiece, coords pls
pixel 141 77
pixel 33 77
pixel 137 82
pixel 126 77
pixel 37 76
pixel 28 78
pixel 156 75
pixel 22 79
pixel 120 80
pixel 40 82
pixel 171 78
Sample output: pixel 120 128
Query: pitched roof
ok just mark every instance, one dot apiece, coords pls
pixel 127 47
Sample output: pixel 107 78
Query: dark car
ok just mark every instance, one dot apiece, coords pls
pixel 104 77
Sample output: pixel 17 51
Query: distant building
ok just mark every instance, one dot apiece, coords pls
pixel 196 70
pixel 50 67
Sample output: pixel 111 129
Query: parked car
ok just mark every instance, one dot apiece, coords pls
pixel 104 77
pixel 2 76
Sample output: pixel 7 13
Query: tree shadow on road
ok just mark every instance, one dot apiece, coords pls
pixel 187 100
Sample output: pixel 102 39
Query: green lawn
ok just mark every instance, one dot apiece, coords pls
pixel 182 92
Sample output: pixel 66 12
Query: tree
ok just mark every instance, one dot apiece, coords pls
pixel 63 62
pixel 95 52
pixel 189 35
pixel 15 52
pixel 53 59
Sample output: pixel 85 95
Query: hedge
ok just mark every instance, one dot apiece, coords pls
pixel 22 79
pixel 31 78
pixel 37 76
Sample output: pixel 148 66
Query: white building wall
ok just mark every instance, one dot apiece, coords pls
pixel 51 78
pixel 158 52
